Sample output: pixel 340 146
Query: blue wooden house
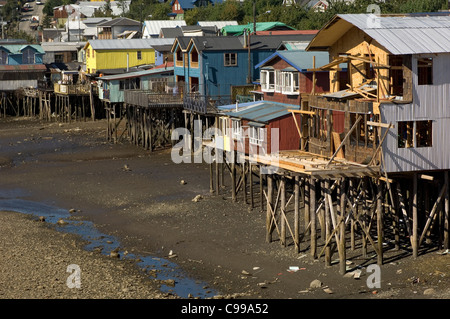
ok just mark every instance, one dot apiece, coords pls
pixel 211 65
pixel 18 54
pixel 21 65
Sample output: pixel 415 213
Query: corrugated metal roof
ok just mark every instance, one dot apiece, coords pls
pixel 153 27
pixel 412 34
pixel 399 34
pixel 299 59
pixel 218 24
pixel 259 111
pixel 136 74
pixel 260 26
pixel 118 44
pixel 17 48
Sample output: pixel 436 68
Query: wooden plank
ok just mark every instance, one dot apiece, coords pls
pixel 337 142
pixel 433 211
pixel 302 112
pixel 385 125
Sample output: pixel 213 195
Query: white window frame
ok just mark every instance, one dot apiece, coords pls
pixel 266 85
pixel 236 129
pixel 256 135
pixel 288 82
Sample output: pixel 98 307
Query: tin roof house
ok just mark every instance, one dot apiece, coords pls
pixel 399 76
pixel 21 65
pixel 210 66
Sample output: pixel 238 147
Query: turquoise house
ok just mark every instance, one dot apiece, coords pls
pixel 19 54
pixel 111 87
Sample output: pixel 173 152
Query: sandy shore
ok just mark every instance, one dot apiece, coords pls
pixel 136 196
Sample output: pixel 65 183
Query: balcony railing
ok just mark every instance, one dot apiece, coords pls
pixel 71 88
pixel 152 99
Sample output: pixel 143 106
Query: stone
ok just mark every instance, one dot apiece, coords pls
pixel 41 218
pixel 197 198
pixel 316 283
pixel 429 291
pixel 61 222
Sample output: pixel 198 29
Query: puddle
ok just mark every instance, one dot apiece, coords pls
pixel 160 268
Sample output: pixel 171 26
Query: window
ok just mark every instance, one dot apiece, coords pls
pixel 418 133
pixel 425 71
pixel 236 129
pixel 268 80
pixel 368 67
pixel 290 83
pixel 88 53
pixel 139 55
pixel 230 59
pixel 59 58
pixel 194 58
pixel 3 57
pixel 396 75
pixel 256 135
pixel 424 137
pixel 28 56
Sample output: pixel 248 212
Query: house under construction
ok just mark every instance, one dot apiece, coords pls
pixel 381 183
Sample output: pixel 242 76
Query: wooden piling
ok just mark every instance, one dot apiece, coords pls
pixel 312 211
pixel 283 210
pixel 414 239
pixel 379 223
pixel 269 207
pixel 296 212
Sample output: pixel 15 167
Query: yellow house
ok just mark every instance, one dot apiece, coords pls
pixel 118 54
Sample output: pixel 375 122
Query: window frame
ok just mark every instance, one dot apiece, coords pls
pixel 236 129
pixel 3 57
pixel 290 83
pixel 425 64
pixel 256 135
pixel 227 59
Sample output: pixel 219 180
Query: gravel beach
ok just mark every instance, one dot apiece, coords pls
pixel 146 202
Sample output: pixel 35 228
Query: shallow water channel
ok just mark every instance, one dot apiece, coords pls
pixel 164 269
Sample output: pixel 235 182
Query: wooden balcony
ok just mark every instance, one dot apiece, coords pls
pixel 152 99
pixel 205 104
pixel 71 89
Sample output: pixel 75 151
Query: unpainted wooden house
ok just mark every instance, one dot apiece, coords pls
pixel 398 70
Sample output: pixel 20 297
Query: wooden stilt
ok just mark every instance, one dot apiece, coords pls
pixel 327 223
pixel 379 223
pixel 269 207
pixel 312 194
pixel 233 180
pixel 250 184
pixel 341 214
pixel 415 219
pixel 306 206
pixel 283 210
pixel 296 212
pixel 446 242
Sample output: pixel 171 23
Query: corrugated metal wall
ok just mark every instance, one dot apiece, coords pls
pixel 430 102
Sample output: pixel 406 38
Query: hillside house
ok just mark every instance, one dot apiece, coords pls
pixel 152 28
pixel 179 7
pixel 120 53
pixel 399 74
pixel 21 65
pixel 209 66
pixel 115 28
